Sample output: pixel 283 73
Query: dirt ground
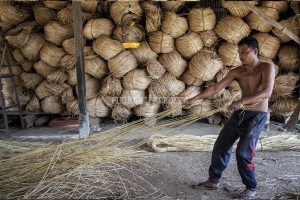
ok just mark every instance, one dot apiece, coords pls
pixel 277 172
pixel 174 173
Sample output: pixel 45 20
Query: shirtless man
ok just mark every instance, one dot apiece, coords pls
pixel 256 80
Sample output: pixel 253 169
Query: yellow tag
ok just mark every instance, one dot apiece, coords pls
pixel 131 45
pixel 132 23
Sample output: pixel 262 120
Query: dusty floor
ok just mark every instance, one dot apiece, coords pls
pixel 174 173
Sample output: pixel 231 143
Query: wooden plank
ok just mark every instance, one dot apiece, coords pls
pixel 84 126
pixel 272 22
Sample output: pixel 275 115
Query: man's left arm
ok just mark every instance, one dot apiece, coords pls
pixel 268 77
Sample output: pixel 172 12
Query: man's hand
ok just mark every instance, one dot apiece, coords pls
pixel 190 102
pixel 236 105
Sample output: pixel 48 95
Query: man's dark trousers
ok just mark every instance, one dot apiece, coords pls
pixel 247 126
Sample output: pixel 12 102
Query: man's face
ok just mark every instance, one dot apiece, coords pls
pixel 247 54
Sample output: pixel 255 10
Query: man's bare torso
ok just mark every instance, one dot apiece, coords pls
pixel 250 81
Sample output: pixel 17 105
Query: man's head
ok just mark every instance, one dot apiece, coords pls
pixel 248 50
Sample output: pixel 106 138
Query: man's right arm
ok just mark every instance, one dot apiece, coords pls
pixel 229 78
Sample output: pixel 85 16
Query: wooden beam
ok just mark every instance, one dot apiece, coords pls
pixel 84 125
pixel 272 22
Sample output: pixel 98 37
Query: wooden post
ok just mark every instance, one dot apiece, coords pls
pixel 272 22
pixel 84 125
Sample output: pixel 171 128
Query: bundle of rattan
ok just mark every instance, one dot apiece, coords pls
pixel 205 65
pixel 143 53
pixel 189 79
pixel 16 70
pixel 67 62
pixel 24 95
pixel 27 66
pixel 33 104
pixel 161 42
pixel 289 57
pixel 110 101
pixel 96 27
pixel 42 14
pixel 67 95
pixel 56 32
pixel 158 93
pixel 232 29
pixel 153 16
pixel 256 22
pixel 147 109
pixel 122 64
pixel 124 12
pixel 290 24
pixel 46 89
pixel 237 8
pixel 283 106
pixel 284 85
pixel 59 76
pixel 18 36
pixel 69 46
pixel 280 6
pixel 202 19
pixel 7 82
pixel 72 77
pixel 30 80
pixel 189 93
pixel 9 98
pixel 174 104
pixel 107 48
pixel 172 5
pixel 111 86
pixel 92 87
pixel 209 38
pixel 128 34
pixel 120 113
pixel 226 99
pixel 57 5
pixel 173 85
pixel 173 24
pixel 18 56
pixel 131 98
pixel 222 74
pixel 155 69
pixel 97 108
pixel 11 14
pixel 173 62
pixel 43 68
pixel 95 66
pixel 33 46
pixel 201 107
pixel 72 107
pixel 189 44
pixel 6 26
pixel 295 6
pixel 20 59
pixel 65 15
pixel 268 45
pixel 234 86
pixel 89 6
pixel 51 54
pixel 229 54
pixel 52 104
pixel 136 79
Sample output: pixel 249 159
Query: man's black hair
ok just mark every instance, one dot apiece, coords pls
pixel 250 41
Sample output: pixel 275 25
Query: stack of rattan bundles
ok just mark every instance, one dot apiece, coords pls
pixel 179 55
